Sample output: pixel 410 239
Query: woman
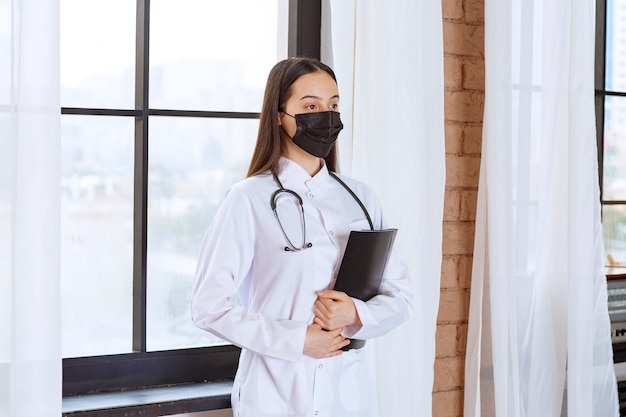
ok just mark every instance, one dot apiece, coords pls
pixel 279 257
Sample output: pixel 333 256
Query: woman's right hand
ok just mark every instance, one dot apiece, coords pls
pixel 320 343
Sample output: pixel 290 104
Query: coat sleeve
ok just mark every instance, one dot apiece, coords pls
pixel 393 304
pixel 225 259
pixel 390 308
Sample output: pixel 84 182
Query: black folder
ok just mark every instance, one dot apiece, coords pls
pixel 364 262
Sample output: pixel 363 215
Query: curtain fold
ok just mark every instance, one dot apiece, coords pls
pixel 539 333
pixel 389 64
pixel 30 314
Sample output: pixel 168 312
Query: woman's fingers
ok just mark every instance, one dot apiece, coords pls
pixel 320 343
pixel 334 309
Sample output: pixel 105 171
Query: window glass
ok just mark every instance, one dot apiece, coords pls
pixel 192 162
pixel 204 55
pixel 614 167
pixel 615 59
pixel 614 228
pixel 97 234
pixel 98 53
pixel 214 56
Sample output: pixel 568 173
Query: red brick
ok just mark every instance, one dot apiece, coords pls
pixel 462 171
pixel 464 106
pixel 450 272
pixel 452 72
pixel 465 272
pixel 448 403
pixel 472 140
pixel 454 137
pixel 451 205
pixel 448 373
pixel 468 205
pixel 464 84
pixel 461 338
pixel 453 306
pixel 473 73
pixel 474 11
pixel 462 39
pixel 446 340
pixel 458 238
pixel 452 10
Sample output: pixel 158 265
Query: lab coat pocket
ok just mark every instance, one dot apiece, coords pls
pixel 282 386
pixel 355 382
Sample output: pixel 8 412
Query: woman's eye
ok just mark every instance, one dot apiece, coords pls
pixel 311 107
pixel 334 106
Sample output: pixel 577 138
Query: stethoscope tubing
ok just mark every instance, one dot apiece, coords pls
pixel 290 246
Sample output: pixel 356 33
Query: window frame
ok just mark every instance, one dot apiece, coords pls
pixel 599 82
pixel 142 368
pixel 601 94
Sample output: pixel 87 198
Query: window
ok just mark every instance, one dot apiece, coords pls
pixel 160 104
pixel 611 122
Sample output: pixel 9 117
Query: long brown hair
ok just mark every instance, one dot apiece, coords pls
pixel 270 143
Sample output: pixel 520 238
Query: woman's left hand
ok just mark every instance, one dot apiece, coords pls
pixel 335 309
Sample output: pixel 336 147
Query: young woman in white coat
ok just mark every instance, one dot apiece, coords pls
pixel 270 256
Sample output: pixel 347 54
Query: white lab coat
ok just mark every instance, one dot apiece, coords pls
pixel 243 253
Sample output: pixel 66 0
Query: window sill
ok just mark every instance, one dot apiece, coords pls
pixel 159 401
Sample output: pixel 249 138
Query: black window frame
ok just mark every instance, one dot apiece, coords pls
pixel 142 368
pixel 601 94
pixel 599 83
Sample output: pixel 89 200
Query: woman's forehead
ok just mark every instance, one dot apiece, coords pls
pixel 316 85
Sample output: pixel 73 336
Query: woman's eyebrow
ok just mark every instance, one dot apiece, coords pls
pixel 317 97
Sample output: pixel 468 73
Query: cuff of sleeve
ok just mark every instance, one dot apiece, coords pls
pixel 299 342
pixel 364 315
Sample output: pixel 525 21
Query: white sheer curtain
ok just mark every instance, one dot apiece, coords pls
pixel 389 63
pixel 30 319
pixel 539 335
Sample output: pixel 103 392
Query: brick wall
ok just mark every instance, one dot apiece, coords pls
pixel 463 37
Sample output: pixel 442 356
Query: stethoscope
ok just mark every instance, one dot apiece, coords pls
pixel 304 245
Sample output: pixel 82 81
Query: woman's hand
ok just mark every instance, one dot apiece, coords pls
pixel 319 343
pixel 334 310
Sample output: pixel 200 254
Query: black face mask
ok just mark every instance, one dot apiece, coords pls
pixel 316 132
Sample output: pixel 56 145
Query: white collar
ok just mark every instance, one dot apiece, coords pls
pixel 293 174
